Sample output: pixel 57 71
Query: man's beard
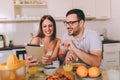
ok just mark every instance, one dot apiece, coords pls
pixel 74 33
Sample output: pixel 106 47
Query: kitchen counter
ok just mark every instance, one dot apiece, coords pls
pixel 22 46
pixel 14 47
pixel 110 41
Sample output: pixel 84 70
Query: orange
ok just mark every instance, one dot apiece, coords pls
pixel 82 71
pixel 93 72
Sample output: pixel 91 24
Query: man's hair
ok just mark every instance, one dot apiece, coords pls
pixel 80 14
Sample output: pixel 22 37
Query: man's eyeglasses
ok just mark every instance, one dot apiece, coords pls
pixel 70 23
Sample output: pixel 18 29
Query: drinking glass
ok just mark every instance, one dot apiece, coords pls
pixel 113 72
pixel 32 70
pixel 67 66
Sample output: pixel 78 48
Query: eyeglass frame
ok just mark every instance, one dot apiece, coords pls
pixel 70 23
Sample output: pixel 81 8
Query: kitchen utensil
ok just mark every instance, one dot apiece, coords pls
pixel 2 41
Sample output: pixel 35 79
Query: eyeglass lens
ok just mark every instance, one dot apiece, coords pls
pixel 70 23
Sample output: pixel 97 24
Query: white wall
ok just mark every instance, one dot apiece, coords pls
pixel 20 33
pixel 113 25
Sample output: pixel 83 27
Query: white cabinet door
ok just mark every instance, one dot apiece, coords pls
pixel 4 55
pixel 103 9
pixel 6 9
pixel 111 53
pixel 88 6
pixel 59 8
pixel 111 58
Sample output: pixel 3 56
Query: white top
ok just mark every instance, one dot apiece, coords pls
pixel 89 41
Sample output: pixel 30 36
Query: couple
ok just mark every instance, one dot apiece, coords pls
pixel 77 45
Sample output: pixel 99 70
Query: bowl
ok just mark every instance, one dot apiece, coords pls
pixel 50 70
pixel 87 78
pixel 75 65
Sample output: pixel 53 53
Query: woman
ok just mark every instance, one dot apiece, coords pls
pixel 46 35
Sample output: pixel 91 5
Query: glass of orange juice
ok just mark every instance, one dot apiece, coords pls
pixel 32 70
pixel 67 66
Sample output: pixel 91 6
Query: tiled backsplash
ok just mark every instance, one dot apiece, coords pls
pixel 20 33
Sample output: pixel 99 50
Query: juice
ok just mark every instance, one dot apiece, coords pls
pixel 68 67
pixel 32 70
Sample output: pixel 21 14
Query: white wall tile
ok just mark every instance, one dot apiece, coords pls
pixel 20 33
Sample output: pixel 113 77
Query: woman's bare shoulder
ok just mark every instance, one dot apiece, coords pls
pixel 35 40
pixel 58 40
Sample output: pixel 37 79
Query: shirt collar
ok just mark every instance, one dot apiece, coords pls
pixel 83 37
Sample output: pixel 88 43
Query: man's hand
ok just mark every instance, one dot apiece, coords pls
pixel 68 44
pixel 71 57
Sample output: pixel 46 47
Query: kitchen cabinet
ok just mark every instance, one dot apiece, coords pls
pixel 93 9
pixel 4 55
pixel 88 6
pixel 103 10
pixel 29 11
pixel 59 8
pixel 111 54
pixel 6 9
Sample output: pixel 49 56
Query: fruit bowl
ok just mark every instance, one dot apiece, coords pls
pixel 91 73
pixel 49 70
pixel 75 65
pixel 88 78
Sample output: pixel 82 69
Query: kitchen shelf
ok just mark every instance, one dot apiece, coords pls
pixel 42 4
pixel 18 21
pixel 26 20
pixel 34 20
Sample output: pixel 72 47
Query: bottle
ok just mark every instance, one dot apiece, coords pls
pixel 10 43
pixel 2 41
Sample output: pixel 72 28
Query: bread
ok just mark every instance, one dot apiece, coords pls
pixel 61 75
pixel 69 75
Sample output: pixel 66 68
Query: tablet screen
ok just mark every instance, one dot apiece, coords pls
pixel 36 51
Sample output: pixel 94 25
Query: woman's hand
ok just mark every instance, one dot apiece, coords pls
pixel 31 61
pixel 46 60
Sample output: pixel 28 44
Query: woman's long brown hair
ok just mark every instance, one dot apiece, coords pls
pixel 40 32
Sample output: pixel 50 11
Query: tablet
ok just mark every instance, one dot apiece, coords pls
pixel 36 51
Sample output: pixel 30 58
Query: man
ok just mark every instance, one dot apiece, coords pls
pixel 82 44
